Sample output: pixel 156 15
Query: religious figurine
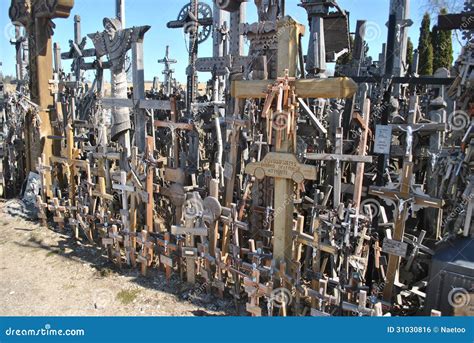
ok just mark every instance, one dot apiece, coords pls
pixel 267 10
pixel 115 42
pixel 409 140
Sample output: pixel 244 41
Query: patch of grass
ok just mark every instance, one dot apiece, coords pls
pixel 127 296
pixel 51 253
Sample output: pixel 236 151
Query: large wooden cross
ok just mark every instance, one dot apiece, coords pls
pixel 282 163
pixel 405 196
pixel 36 16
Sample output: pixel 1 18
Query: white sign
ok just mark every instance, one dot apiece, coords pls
pixel 393 247
pixel 383 139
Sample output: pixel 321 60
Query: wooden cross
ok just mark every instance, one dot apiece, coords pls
pixel 362 152
pixel 190 252
pixel 404 196
pixel 146 253
pixel 59 212
pixel 124 212
pixel 208 261
pixel 150 204
pixel 81 221
pixel 231 170
pixel 280 164
pixel 339 157
pixel 255 290
pixel 417 243
pixel 42 206
pixel 168 72
pixel 112 243
pixel 36 16
pixel 173 126
pixel 218 282
pixel 320 298
pixel 166 258
pixel 230 219
pixel 378 257
pixel 361 307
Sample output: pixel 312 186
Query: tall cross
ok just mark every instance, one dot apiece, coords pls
pixel 114 42
pixel 407 198
pixel 168 71
pixel 36 16
pixel 282 164
pixel 192 17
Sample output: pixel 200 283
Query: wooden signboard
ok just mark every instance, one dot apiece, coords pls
pixel 283 166
pixel 393 247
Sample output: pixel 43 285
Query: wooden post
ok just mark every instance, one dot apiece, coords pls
pixel 35 16
pixel 150 146
pixel 359 181
pixel 139 93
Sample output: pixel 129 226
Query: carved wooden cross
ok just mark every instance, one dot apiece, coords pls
pixel 112 243
pixel 114 42
pixel 190 230
pixel 404 195
pixel 282 164
pixel 166 258
pixel 36 16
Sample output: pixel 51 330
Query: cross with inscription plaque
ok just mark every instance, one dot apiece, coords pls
pixel 405 197
pixel 282 95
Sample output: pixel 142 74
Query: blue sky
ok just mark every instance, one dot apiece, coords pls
pixel 157 13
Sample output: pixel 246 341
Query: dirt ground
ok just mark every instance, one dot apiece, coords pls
pixel 44 272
